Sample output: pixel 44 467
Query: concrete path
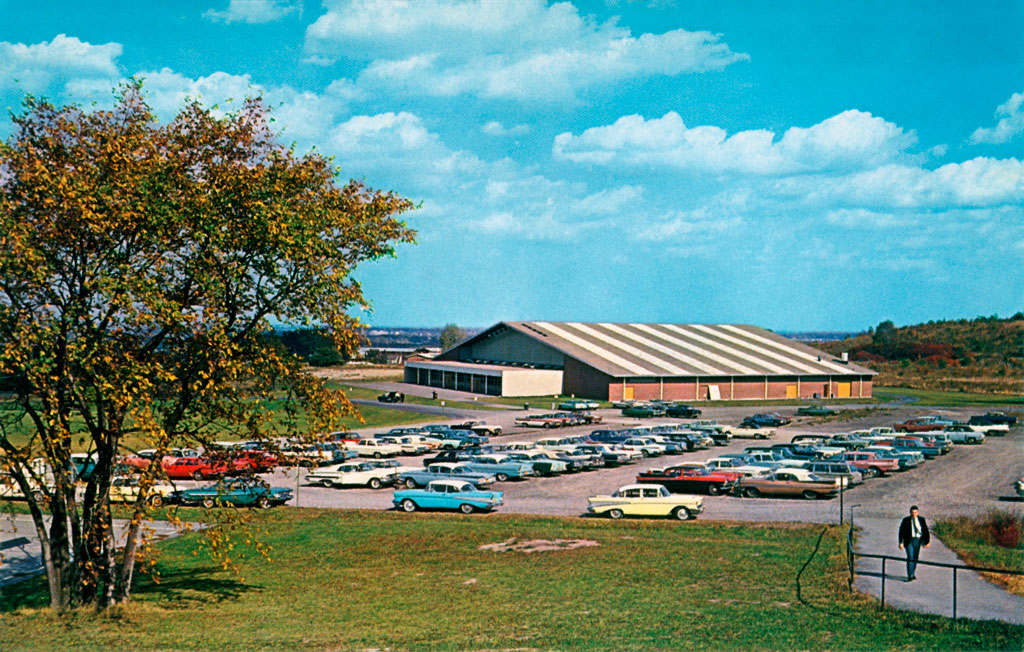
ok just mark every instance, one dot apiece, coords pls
pixel 932 591
pixel 21 554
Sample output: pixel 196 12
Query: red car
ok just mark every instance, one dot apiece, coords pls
pixel 922 424
pixel 199 468
pixel 870 463
pixel 688 480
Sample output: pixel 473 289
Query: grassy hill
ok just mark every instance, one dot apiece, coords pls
pixel 980 355
pixel 351 580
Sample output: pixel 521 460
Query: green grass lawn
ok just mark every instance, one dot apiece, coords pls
pixel 344 580
pixel 367 393
pixel 929 398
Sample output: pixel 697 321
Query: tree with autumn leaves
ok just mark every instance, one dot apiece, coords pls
pixel 141 265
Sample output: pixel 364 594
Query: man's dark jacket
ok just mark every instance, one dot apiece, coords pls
pixel 907 528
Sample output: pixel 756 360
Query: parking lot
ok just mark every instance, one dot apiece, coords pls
pixel 968 480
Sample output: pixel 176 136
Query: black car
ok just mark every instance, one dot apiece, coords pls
pixel 992 419
pixel 682 412
pixel 451 456
pixel 392 397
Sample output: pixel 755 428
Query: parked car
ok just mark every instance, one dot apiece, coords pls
pixel 578 405
pixel 407 444
pixel 392 397
pixel 125 489
pixel 479 427
pixel 680 411
pixel 449 456
pixel 843 471
pixel 240 492
pixel 767 420
pixel 647 411
pixel 353 474
pixel 373 448
pixel 541 421
pixel 917 424
pixel 193 468
pixel 448 494
pixel 815 411
pixel 445 471
pixel 646 500
pixel 500 466
pixel 788 482
pixel 542 464
pixel 907 459
pixel 610 455
pixel 1019 487
pixel 685 480
pixel 992 418
pixel 871 463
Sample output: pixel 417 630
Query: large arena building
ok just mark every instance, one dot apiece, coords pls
pixel 641 362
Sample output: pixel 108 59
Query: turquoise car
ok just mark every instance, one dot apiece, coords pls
pixel 240 492
pixel 500 466
pixel 447 494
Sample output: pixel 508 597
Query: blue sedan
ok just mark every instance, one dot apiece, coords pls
pixel 448 494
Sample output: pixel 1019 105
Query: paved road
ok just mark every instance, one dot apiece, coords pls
pixel 932 591
pixel 22 554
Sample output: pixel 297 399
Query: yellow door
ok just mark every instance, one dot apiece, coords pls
pixel 843 390
pixel 791 391
pixel 627 394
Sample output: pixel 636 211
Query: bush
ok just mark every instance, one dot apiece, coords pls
pixel 1004 529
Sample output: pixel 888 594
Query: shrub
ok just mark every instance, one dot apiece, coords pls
pixel 1004 529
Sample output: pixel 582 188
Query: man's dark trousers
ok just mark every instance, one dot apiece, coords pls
pixel 913 548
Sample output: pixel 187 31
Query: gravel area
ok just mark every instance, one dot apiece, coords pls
pixel 969 480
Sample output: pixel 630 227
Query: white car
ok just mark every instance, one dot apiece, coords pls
pixel 406 444
pixel 964 434
pixel 353 474
pixel 646 447
pixel 734 466
pixel 125 489
pixel 373 448
pixel 564 444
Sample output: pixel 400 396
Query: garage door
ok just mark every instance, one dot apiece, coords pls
pixel 627 394
pixel 791 391
pixel 843 390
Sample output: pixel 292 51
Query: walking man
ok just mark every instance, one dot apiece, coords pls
pixel 913 535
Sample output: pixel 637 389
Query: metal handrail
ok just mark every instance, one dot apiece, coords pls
pixel 851 554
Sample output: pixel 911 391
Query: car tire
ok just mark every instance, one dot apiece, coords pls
pixel 501 477
pixel 263 502
pixel 752 492
pixel 209 502
pixel 374 483
pixel 197 475
pixel 410 483
pixel 408 505
pixel 466 508
pixel 714 490
pixel 376 455
pixel 156 500
pixel 809 495
pixel 615 514
pixel 873 472
pixel 681 514
pixel 761 436
pixel 306 464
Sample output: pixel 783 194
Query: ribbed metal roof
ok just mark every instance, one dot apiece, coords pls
pixel 662 350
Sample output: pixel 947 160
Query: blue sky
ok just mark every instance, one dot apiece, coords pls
pixel 795 165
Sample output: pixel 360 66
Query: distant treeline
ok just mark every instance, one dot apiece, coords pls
pixel 985 341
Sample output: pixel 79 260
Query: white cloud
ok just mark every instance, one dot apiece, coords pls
pixel 1009 126
pixel 976 182
pixel 254 11
pixel 298 115
pixel 495 128
pixel 33 68
pixel 847 141
pixel 520 49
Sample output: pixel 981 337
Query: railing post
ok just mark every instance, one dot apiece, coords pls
pixel 954 593
pixel 883 581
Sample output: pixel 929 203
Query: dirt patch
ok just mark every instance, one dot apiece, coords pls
pixel 538 545
pixel 360 373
